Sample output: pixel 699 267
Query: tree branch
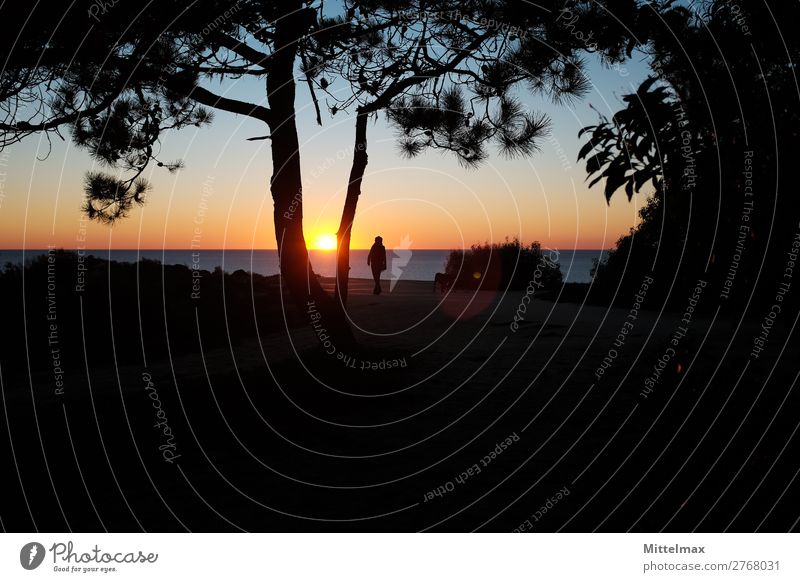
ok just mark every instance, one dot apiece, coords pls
pixel 398 87
pixel 255 57
pixel 206 97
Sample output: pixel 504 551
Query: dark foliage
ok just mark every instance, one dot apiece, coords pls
pixel 502 266
pixel 711 133
pixel 118 312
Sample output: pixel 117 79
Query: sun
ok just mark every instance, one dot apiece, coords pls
pixel 325 242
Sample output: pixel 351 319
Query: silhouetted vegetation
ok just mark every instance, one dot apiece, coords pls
pixel 709 136
pixel 118 312
pixel 446 71
pixel 499 266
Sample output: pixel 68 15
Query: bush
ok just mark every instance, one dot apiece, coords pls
pixel 118 312
pixel 509 265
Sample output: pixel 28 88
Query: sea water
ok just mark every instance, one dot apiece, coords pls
pixel 412 264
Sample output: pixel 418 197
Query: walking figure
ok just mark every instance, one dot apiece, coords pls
pixel 377 260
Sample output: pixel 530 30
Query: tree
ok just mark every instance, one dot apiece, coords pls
pixel 444 72
pixel 708 130
pixel 121 79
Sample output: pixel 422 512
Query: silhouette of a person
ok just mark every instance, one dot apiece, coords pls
pixel 377 260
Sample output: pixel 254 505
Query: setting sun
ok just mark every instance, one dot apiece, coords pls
pixel 325 242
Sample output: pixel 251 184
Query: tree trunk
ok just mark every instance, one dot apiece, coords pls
pixel 286 183
pixel 349 211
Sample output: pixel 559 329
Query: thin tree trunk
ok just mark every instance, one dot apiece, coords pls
pixel 286 183
pixel 349 211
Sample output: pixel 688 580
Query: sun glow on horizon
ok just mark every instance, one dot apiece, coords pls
pixel 324 242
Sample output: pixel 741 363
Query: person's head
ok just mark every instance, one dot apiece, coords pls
pixel 378 240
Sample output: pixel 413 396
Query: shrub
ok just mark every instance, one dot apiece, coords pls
pixel 117 312
pixel 499 266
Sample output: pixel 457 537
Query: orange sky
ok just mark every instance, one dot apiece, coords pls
pixel 224 196
pixel 221 198
pixel 435 208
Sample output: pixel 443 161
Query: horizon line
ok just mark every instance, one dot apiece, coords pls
pixel 266 249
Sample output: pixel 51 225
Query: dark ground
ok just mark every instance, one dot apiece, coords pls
pixel 264 446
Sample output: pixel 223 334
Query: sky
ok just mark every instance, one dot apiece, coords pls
pixel 221 198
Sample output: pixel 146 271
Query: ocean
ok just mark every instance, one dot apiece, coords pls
pixel 422 265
